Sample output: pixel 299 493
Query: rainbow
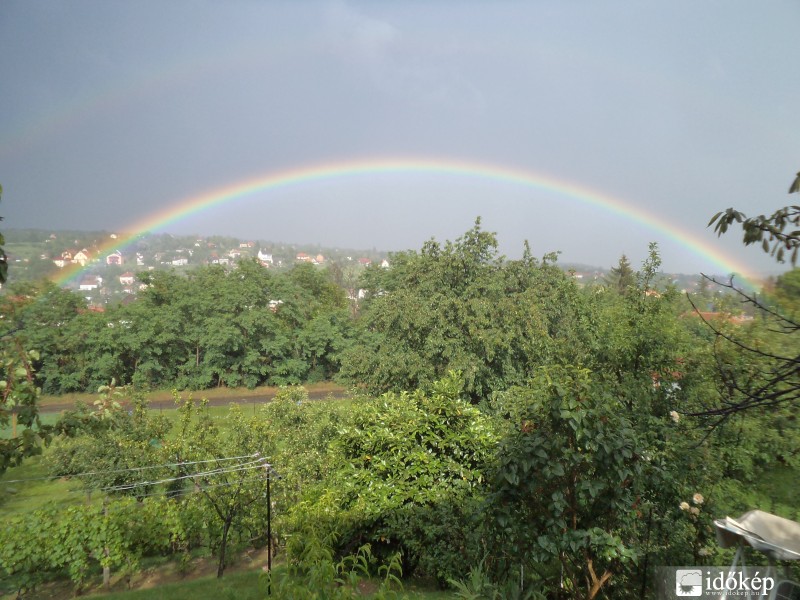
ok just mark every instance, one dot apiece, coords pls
pixel 366 167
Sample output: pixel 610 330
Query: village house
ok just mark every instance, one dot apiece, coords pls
pixel 89 283
pixel 214 259
pixel 115 258
pixel 127 278
pixel 81 257
pixel 265 258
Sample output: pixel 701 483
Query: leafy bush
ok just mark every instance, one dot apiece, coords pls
pixel 409 468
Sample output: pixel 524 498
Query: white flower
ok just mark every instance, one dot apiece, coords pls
pixel 684 506
pixel 673 414
pixel 698 499
pixel 694 510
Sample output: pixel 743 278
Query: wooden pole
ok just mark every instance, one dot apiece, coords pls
pixel 269 534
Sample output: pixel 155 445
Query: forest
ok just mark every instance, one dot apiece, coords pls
pixel 508 433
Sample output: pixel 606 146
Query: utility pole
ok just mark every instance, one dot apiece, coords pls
pixel 269 472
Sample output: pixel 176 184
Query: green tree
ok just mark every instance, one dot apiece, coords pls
pixel 622 277
pixel 408 469
pixel 109 446
pixel 19 396
pixel 232 491
pixel 460 306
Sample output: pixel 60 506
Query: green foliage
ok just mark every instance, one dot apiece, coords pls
pixel 479 585
pixel 240 328
pixel 769 232
pixel 409 467
pixel 569 479
pixel 622 277
pixel 535 438
pixel 80 540
pixel 234 495
pixel 462 307
pixel 108 446
pixel 315 574
pixel 18 400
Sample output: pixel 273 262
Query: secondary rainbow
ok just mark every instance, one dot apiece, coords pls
pixel 371 167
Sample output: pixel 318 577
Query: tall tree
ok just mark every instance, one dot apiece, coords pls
pixel 461 306
pixel 622 277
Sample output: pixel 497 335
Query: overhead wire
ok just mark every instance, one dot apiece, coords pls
pixel 130 470
pixel 258 463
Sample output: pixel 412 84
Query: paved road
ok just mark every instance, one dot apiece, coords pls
pixel 250 400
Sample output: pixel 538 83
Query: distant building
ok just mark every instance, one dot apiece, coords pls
pixel 89 283
pixel 115 258
pixel 81 257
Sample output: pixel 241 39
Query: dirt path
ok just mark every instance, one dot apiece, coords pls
pixel 334 392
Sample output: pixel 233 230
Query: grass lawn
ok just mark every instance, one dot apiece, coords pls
pixel 234 586
pixel 20 497
pixel 164 582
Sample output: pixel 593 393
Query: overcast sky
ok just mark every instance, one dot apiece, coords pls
pixel 112 111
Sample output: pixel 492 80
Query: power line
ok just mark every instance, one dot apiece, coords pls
pixel 261 462
pixel 187 492
pixel 132 469
pixel 182 493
